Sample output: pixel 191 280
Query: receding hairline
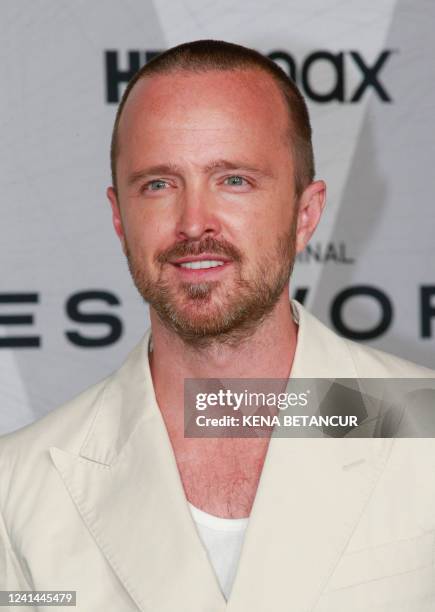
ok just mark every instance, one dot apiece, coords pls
pixel 177 71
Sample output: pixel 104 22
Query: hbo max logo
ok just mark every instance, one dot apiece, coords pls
pixel 121 67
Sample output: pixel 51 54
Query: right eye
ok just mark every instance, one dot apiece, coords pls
pixel 156 185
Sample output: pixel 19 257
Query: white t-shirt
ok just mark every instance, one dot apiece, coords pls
pixel 222 538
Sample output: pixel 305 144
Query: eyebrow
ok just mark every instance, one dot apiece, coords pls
pixel 219 164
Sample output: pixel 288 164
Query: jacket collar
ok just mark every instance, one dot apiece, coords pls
pixel 127 489
pixel 320 353
pixel 127 400
pixel 129 397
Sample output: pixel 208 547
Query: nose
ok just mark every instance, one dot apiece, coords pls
pixel 197 216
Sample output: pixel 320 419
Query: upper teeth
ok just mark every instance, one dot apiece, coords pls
pixel 196 265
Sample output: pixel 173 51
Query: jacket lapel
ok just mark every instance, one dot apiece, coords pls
pixel 310 497
pixel 126 487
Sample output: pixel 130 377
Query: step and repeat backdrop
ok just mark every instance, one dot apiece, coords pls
pixel 69 313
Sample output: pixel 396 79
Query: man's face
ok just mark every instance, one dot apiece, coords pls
pixel 205 207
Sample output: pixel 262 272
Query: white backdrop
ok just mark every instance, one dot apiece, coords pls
pixel 367 70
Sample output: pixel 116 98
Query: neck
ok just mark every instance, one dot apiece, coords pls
pixel 267 353
pixel 229 488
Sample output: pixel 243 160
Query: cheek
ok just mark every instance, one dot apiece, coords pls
pixel 262 231
pixel 147 235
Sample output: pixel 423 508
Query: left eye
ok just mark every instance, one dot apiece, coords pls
pixel 235 181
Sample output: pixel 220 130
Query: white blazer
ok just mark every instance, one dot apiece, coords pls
pixel 91 500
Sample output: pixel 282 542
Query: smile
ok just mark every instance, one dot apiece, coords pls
pixel 199 265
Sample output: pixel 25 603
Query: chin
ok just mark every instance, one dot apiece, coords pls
pixel 199 319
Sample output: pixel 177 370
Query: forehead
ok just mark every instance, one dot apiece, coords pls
pixel 189 107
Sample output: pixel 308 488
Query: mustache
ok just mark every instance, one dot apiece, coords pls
pixel 194 247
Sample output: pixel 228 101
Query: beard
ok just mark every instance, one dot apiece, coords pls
pixel 227 311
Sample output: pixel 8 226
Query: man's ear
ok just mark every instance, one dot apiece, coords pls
pixel 311 204
pixel 116 216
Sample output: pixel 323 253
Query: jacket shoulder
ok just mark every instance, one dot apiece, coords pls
pixel 326 354
pixel 65 426
pixel 374 363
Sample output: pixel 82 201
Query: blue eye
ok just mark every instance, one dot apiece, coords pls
pixel 156 185
pixel 235 181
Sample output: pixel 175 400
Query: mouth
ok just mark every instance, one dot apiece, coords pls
pixel 202 266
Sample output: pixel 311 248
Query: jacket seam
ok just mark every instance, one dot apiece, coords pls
pixel 350 352
pixel 99 401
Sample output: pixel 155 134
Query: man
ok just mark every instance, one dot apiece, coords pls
pixel 213 195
